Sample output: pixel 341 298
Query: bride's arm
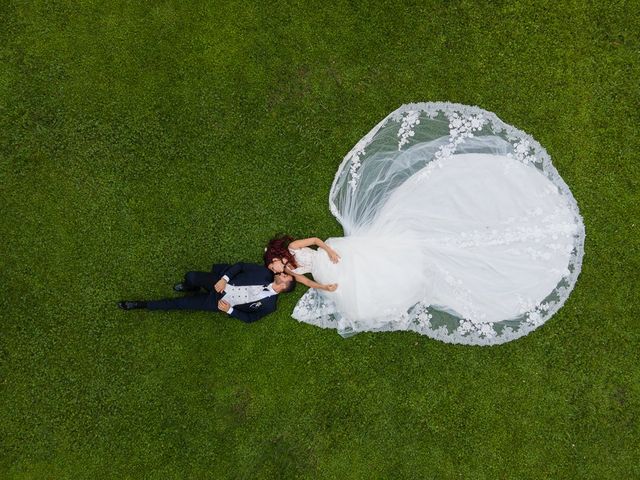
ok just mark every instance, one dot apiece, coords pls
pixel 310 283
pixel 307 242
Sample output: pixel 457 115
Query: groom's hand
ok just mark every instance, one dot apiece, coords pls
pixel 223 306
pixel 220 285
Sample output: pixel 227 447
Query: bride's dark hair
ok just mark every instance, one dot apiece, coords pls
pixel 278 247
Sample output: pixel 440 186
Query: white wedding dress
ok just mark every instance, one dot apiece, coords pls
pixel 457 226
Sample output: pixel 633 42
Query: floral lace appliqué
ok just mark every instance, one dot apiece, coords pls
pixel 355 166
pixel 460 128
pixel 407 127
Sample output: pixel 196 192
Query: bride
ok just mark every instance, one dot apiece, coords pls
pixel 296 258
pixel 456 226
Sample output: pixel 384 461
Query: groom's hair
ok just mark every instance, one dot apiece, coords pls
pixel 291 286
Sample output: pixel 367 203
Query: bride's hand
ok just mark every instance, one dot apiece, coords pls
pixel 331 287
pixel 333 256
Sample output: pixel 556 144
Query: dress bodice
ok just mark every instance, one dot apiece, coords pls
pixel 305 258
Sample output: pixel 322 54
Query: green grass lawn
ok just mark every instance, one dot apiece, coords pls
pixel 139 140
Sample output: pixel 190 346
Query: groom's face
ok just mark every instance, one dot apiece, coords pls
pixel 281 278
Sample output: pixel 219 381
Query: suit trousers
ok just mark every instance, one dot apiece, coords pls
pixel 199 300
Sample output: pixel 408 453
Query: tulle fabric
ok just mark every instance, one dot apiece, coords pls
pixel 457 226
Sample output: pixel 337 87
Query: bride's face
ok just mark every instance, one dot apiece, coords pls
pixel 276 266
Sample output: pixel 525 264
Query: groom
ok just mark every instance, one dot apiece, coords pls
pixel 245 291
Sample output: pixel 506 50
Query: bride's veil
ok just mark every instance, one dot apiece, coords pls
pixel 408 139
pixel 411 140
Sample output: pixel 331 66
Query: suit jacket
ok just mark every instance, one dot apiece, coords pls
pixel 246 274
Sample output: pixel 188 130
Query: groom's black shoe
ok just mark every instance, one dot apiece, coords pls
pixel 181 287
pixel 130 305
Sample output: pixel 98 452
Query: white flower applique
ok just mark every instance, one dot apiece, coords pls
pixel 355 166
pixel 460 128
pixel 465 326
pixel 486 330
pixel 535 314
pixel 468 326
pixel 406 129
pixel 422 316
pixel 522 151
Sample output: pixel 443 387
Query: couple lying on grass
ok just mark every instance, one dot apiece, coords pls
pixel 247 291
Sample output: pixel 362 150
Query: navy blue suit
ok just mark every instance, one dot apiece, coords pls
pixel 240 274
